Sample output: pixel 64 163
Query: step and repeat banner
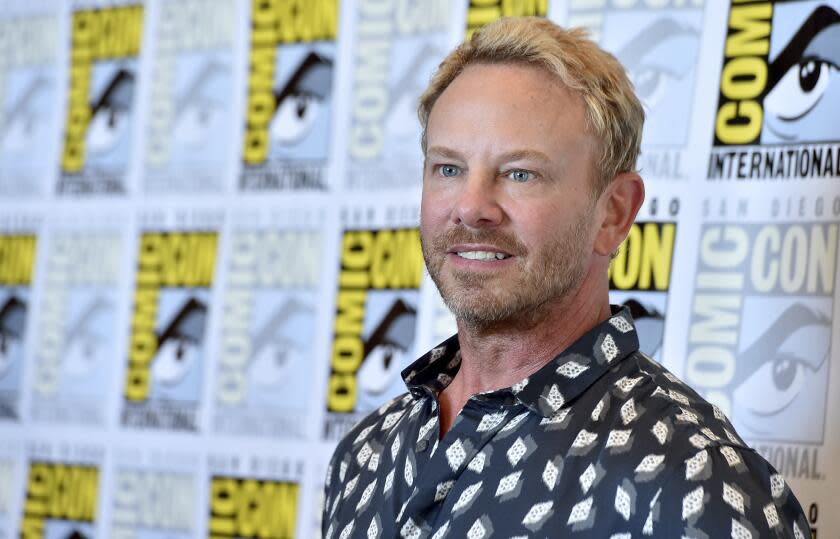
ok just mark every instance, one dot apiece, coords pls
pixel 210 263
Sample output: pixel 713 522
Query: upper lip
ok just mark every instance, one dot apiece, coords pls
pixel 468 247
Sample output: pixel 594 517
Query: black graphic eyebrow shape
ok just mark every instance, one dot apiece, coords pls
pixel 380 334
pixel 297 82
pixel 819 20
pixel 11 317
pixel 193 312
pixel 111 96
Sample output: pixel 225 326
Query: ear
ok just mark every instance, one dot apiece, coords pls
pixel 619 204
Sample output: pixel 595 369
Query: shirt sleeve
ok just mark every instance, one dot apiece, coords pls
pixel 727 491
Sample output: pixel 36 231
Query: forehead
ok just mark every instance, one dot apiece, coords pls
pixel 499 104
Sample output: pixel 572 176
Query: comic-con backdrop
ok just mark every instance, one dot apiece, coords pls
pixel 209 254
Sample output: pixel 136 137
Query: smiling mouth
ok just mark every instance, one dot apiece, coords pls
pixel 482 255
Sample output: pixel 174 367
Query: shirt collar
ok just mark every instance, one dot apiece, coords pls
pixel 555 384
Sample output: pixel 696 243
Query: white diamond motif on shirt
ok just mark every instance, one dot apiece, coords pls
pixel 618 438
pixel 519 386
pixel 410 530
pixel 516 452
pixel 586 478
pixel 395 447
pixel 709 434
pixel 537 512
pixel 699 441
pixel 771 515
pixel 648 527
pixel 571 369
pixel 739 531
pixel 389 480
pixel 628 412
pixel 350 486
pixel 455 455
pixel 625 384
pixel 777 485
pixel 557 417
pixel 679 397
pixel 424 430
pixel 730 455
pixel 345 533
pixel 609 348
pixel 649 463
pixel 441 531
pixel 549 475
pixel 364 454
pixel 444 379
pixel 363 434
pixel 596 412
pixel 692 503
pixel 797 533
pixel 584 438
pixel 391 419
pixel 373 529
pixel 622 502
pixel 477 463
pixel 687 416
pixel 342 470
pixel 466 496
pixel 696 464
pixel 733 498
pixel 366 494
pixel 660 431
pixel 373 464
pixel 621 324
pixel 416 408
pixel 508 483
pixel 477 530
pixel 513 423
pixel 490 421
pixel 732 438
pixel 408 473
pixel 436 353
pixel 555 399
pixel 580 511
pixel 442 489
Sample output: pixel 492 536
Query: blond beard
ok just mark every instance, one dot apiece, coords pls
pixel 483 303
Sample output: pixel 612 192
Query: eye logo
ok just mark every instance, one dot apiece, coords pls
pixel 12 317
pixel 86 345
pixel 179 343
pixel 24 119
pixel 277 353
pixel 199 109
pixel 385 353
pixel 774 373
pixel 804 83
pixel 111 111
pixel 301 100
pixel 660 55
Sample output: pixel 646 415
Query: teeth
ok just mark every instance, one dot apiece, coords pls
pixel 482 255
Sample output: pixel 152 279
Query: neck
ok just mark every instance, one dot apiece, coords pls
pixel 498 356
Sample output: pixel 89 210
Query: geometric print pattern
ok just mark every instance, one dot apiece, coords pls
pixel 600 442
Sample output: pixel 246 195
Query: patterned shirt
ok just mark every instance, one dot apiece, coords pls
pixel 600 442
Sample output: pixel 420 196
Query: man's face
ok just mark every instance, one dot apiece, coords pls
pixel 507 210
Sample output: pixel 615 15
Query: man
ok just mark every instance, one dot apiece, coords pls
pixel 541 418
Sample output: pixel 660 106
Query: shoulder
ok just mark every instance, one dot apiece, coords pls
pixel 710 482
pixel 363 444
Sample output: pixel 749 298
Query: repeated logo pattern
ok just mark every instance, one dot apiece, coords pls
pixel 601 442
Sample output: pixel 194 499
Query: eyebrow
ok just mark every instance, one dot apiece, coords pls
pixel 514 155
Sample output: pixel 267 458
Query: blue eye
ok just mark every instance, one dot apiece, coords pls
pixel 449 170
pixel 520 175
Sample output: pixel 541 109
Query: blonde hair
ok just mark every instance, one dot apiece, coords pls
pixel 613 113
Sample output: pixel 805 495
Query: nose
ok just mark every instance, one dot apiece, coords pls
pixel 477 204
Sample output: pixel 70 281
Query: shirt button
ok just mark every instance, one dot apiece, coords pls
pixel 422 445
